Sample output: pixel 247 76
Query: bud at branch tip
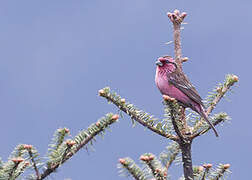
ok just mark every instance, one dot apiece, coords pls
pixel 17 160
pixel 226 166
pixel 101 92
pixel 122 161
pixel 123 101
pixel 207 166
pixel 200 168
pixel 168 98
pixel 235 78
pixel 70 143
pixel 27 146
pixel 115 117
pixel 185 59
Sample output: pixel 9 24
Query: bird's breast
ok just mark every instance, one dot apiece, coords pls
pixel 162 83
pixel 166 88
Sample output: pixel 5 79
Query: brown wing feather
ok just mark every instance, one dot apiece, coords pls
pixel 180 81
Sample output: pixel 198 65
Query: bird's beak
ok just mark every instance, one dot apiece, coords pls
pixel 158 63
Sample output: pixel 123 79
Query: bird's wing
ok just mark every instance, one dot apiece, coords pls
pixel 180 81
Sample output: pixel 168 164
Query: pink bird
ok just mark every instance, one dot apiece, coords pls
pixel 171 81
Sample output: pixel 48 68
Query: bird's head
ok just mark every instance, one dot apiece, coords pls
pixel 166 62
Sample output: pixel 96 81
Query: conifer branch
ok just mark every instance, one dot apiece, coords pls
pixel 217 119
pixel 172 158
pixel 168 157
pixel 136 114
pixel 174 109
pixel 220 92
pixel 197 172
pixel 70 148
pixel 221 170
pixel 16 162
pixel 29 150
pixel 157 170
pixel 184 142
pixel 21 168
pixel 185 147
pixel 206 171
pixel 132 168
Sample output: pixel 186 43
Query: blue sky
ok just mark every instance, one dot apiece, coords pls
pixel 56 55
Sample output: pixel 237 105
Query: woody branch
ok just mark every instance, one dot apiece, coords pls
pixel 185 143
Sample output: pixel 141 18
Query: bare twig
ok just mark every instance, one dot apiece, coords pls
pixel 177 18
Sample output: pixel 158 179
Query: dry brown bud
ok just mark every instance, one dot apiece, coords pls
pixel 226 166
pixel 235 78
pixel 17 160
pixel 101 92
pixel 70 143
pixel 158 170
pixel 185 59
pixel 122 161
pixel 115 117
pixel 123 101
pixel 27 146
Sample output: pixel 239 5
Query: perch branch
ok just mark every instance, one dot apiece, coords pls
pixel 184 142
pixel 121 105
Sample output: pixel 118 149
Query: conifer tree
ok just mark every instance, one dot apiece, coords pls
pixel 179 127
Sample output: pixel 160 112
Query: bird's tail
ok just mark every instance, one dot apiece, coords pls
pixel 203 114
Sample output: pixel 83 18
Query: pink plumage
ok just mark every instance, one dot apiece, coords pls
pixel 171 81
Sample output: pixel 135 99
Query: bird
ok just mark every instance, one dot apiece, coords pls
pixel 171 81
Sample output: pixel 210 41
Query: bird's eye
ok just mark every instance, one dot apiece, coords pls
pixel 167 61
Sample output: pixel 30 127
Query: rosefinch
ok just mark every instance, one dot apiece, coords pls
pixel 171 81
